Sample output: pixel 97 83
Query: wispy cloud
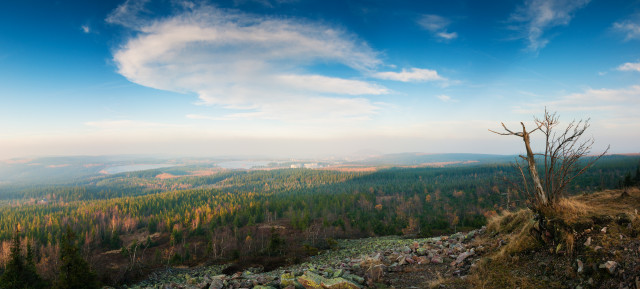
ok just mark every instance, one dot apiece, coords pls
pixel 437 25
pixel 630 66
pixel 248 62
pixel 535 17
pixel 85 29
pixel 412 75
pixel 621 102
pixel 446 98
pixel 630 28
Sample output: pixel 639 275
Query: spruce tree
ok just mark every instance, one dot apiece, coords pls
pixel 74 270
pixel 20 273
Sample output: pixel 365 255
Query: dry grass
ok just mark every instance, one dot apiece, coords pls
pixel 435 283
pixel 515 227
pixel 570 218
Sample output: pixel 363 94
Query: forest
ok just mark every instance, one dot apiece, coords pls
pixel 130 224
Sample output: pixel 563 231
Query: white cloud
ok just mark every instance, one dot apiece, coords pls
pixel 437 25
pixel 85 28
pixel 537 16
pixel 128 13
pixel 415 74
pixel 248 62
pixel 446 98
pixel 630 66
pixel 630 28
pixel 619 103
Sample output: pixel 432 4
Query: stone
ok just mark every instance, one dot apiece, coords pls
pixel 216 283
pixel 423 260
pixel 287 279
pixel 263 287
pixel 436 260
pixel 311 280
pixel 375 273
pixel 339 283
pixel 611 266
pixel 421 251
pixel 604 230
pixel 354 278
pixel 588 242
pixel 580 266
pixel 463 256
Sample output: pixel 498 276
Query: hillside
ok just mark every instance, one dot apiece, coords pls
pixel 132 224
pixel 602 250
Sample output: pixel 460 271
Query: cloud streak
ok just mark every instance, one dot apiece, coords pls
pixel 535 17
pixel 248 62
pixel 630 28
pixel 630 66
pixel 412 75
pixel 437 25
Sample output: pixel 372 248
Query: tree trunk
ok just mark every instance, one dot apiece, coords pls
pixel 534 172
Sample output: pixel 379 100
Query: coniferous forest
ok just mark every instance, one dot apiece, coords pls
pixel 128 224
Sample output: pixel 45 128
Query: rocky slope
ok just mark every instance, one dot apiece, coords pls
pixel 370 263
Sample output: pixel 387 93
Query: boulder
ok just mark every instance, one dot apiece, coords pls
pixel 354 278
pixel 287 279
pixel 463 256
pixel 311 280
pixel 436 260
pixel 375 273
pixel 339 283
pixel 216 283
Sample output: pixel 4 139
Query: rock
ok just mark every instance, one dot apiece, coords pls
pixel 423 260
pixel 410 260
pixel 338 273
pixel 263 287
pixel 354 278
pixel 604 230
pixel 375 273
pixel 436 260
pixel 406 250
pixel 580 266
pixel 311 280
pixel 463 256
pixel 287 279
pixel 339 283
pixel 588 242
pixel 610 266
pixel 421 251
pixel 216 283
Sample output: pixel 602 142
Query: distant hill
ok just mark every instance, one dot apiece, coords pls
pixel 416 159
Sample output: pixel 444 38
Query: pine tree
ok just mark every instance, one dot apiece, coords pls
pixel 74 271
pixel 20 273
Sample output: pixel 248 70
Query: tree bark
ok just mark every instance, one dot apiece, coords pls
pixel 532 169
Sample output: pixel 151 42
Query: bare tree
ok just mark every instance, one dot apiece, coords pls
pixel 563 157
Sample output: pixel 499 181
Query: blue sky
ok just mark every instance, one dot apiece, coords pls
pixel 310 77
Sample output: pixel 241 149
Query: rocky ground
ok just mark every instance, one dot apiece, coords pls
pixel 364 263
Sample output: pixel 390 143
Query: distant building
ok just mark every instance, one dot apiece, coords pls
pixel 296 166
pixel 311 166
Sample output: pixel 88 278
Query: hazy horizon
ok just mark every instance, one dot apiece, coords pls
pixel 311 78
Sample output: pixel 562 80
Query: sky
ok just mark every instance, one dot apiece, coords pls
pixel 297 78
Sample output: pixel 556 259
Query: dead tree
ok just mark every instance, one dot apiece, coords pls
pixel 563 155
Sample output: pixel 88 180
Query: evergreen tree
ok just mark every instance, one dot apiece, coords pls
pixel 74 271
pixel 19 273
